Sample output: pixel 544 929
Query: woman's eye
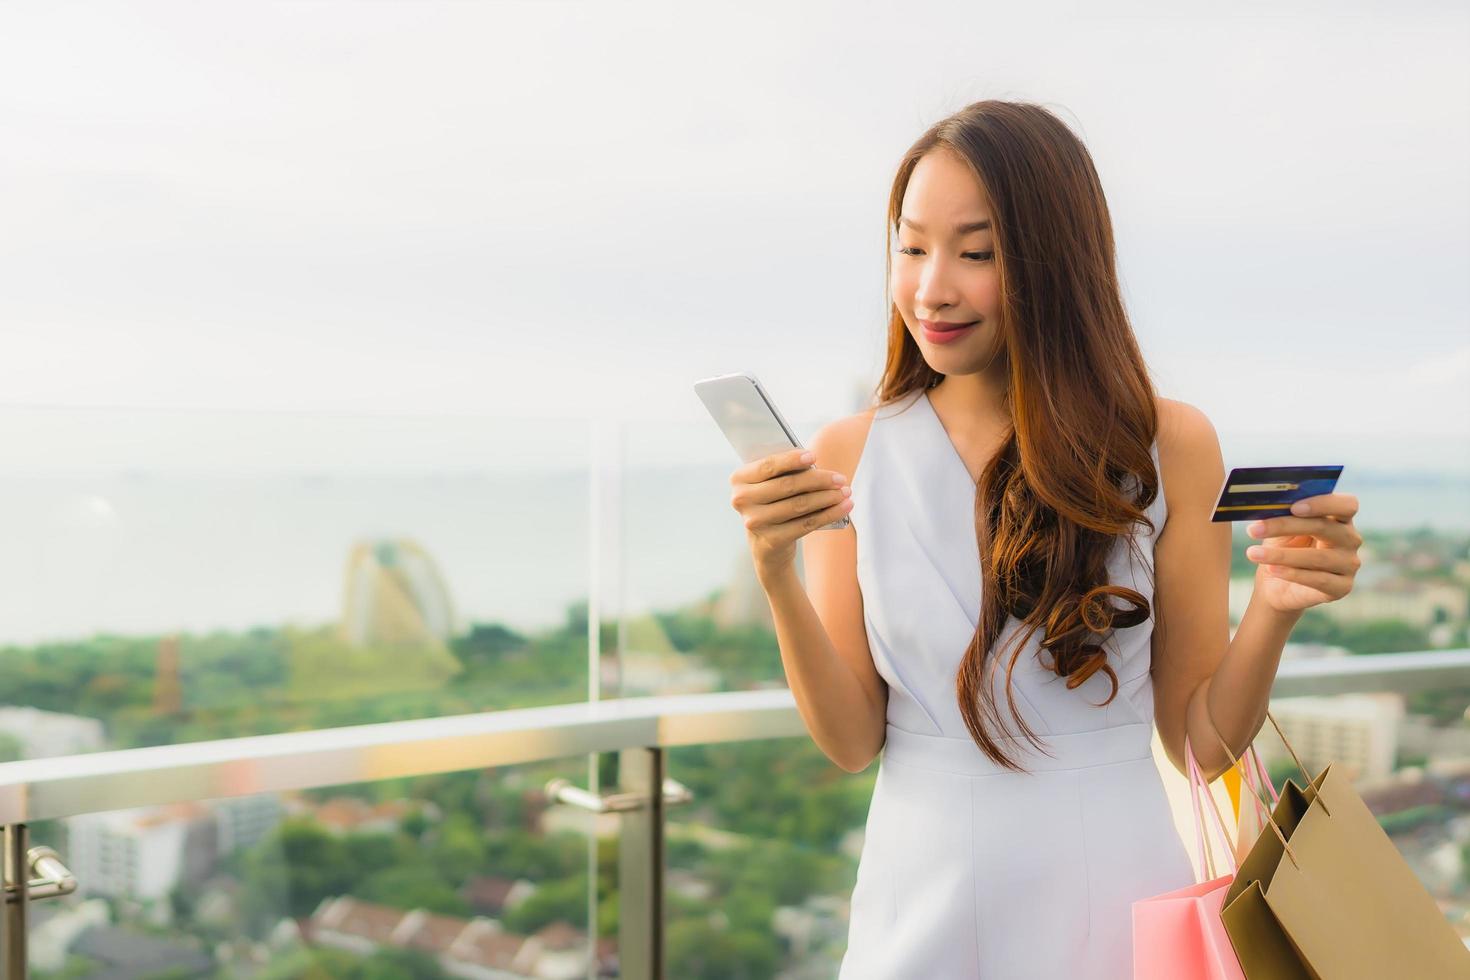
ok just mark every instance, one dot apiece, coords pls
pixel 977 256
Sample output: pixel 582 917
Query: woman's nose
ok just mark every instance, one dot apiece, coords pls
pixel 935 288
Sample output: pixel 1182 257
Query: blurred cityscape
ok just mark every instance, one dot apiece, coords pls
pixel 478 875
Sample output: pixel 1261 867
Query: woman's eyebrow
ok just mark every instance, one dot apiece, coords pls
pixel 963 229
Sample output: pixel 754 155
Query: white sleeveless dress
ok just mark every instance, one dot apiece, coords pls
pixel 967 869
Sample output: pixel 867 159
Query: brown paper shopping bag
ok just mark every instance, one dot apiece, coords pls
pixel 1324 895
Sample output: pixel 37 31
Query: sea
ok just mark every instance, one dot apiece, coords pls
pixel 193 522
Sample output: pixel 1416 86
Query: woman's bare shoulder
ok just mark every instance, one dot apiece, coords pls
pixel 1189 453
pixel 838 445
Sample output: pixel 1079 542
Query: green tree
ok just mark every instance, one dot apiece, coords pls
pixel 457 849
pixel 291 871
pixel 1375 636
pixel 321 963
pixel 412 887
pixel 518 853
pixel 1446 705
pixel 367 854
pixel 485 644
pixel 399 964
pixel 695 948
pixel 415 823
pixel 11 748
pixel 313 964
pixel 779 788
pixel 562 899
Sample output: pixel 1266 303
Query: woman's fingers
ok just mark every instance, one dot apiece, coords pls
pixel 794 508
pixel 778 477
pixel 1316 559
pixel 768 467
pixel 1329 584
pixel 1343 506
pixel 789 485
pixel 1339 533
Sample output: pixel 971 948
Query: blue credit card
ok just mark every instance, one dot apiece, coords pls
pixel 1254 492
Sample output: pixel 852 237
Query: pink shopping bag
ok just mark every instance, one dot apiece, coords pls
pixel 1178 935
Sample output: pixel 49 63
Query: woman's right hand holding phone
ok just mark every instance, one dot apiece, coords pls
pixel 782 498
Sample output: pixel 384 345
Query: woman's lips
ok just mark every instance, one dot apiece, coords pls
pixel 939 332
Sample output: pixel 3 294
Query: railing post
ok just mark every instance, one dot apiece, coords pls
pixel 641 868
pixel 17 873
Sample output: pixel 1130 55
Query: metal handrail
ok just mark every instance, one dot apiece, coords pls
pixel 38 789
pixel 560 790
pixel 1401 673
pixel 52 879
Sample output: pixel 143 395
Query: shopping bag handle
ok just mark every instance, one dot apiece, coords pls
pixel 1255 773
pixel 1295 758
pixel 1265 811
pixel 1197 785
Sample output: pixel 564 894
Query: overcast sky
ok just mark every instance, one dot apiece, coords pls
pixel 576 208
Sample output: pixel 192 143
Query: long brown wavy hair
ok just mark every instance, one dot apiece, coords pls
pixel 1053 501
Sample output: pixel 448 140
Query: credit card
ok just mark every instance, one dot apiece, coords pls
pixel 1254 492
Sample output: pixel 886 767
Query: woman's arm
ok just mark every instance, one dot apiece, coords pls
pixel 839 693
pixel 1192 597
pixel 1215 686
pixel 1233 700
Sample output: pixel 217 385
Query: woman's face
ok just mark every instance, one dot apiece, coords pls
pixel 944 273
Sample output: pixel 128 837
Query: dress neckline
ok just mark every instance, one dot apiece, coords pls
pixel 944 435
pixel 964 467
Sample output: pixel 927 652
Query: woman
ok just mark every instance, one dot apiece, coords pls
pixel 1025 512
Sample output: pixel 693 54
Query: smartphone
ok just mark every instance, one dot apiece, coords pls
pixel 750 420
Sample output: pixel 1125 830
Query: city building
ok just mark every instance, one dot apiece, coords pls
pixel 1356 733
pixel 351 815
pixel 1424 604
pixel 395 596
pixel 47 734
pixel 493 895
pixel 475 949
pixel 124 952
pixel 143 853
pixel 56 927
pixel 242 821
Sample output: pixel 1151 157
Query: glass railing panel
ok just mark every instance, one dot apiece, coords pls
pixel 462 874
pixel 692 617
pixel 182 576
pixel 762 861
